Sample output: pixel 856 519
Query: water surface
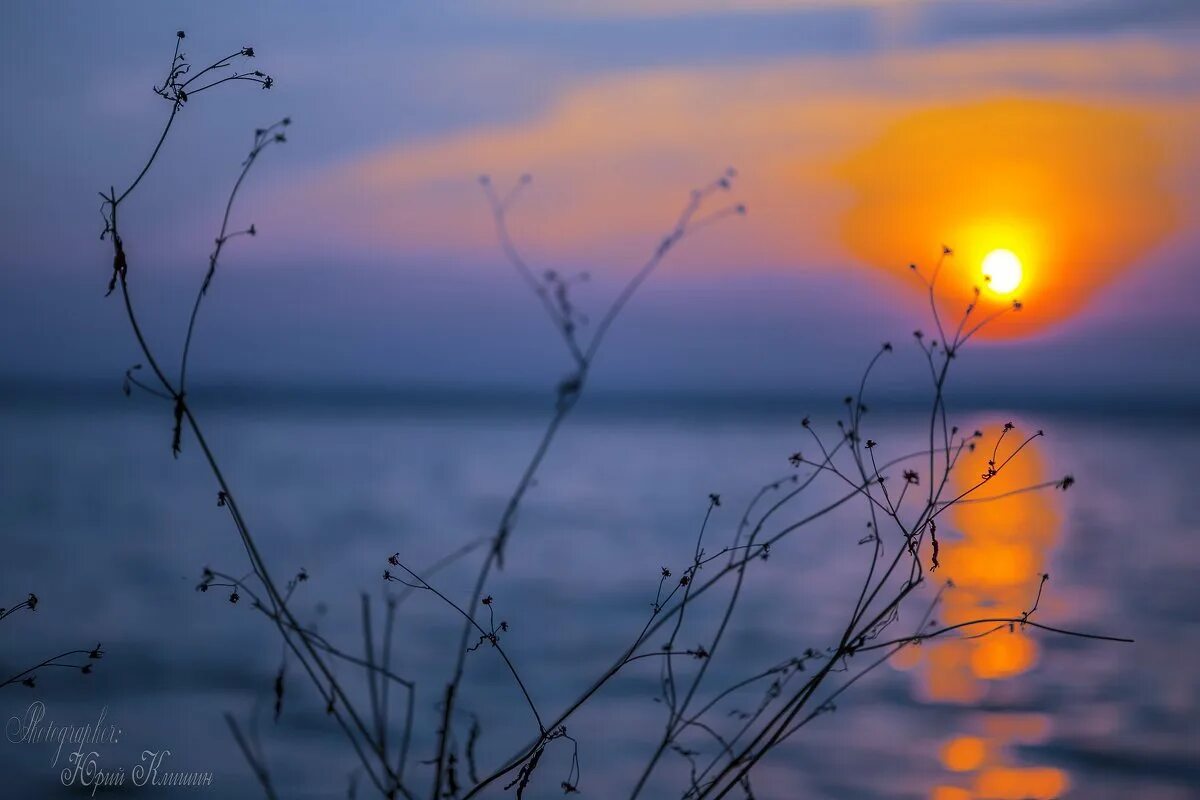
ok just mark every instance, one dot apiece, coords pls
pixel 112 533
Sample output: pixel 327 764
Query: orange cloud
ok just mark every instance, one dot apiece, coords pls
pixel 1076 191
pixel 832 164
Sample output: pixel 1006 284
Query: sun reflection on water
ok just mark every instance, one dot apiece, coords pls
pixel 995 563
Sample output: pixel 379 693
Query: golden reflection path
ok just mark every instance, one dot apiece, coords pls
pixel 995 560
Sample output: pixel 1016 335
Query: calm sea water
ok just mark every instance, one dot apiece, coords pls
pixel 112 534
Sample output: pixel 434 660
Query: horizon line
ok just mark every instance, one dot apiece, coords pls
pixel 508 399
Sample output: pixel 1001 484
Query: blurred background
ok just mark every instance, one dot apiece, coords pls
pixel 374 375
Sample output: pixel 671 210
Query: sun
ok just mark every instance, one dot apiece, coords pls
pixel 1002 271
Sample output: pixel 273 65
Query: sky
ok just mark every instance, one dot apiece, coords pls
pixel 865 135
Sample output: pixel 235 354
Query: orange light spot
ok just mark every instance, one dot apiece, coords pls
pixel 1011 783
pixel 993 563
pixel 964 753
pixel 949 793
pixel 1002 655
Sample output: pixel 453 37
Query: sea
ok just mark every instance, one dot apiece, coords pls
pixel 112 532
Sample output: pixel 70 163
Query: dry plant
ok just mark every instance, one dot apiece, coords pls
pixel 80 660
pixel 904 496
pixel 304 646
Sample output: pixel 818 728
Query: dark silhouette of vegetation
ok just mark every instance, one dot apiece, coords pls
pixel 81 660
pixel 552 290
pixel 903 494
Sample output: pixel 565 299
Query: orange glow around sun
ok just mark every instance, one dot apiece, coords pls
pixel 1072 193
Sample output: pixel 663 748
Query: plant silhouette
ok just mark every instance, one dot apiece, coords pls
pixel 903 495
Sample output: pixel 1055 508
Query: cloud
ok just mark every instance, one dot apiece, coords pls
pixel 614 158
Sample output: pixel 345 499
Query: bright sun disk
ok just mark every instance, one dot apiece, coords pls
pixel 1002 269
